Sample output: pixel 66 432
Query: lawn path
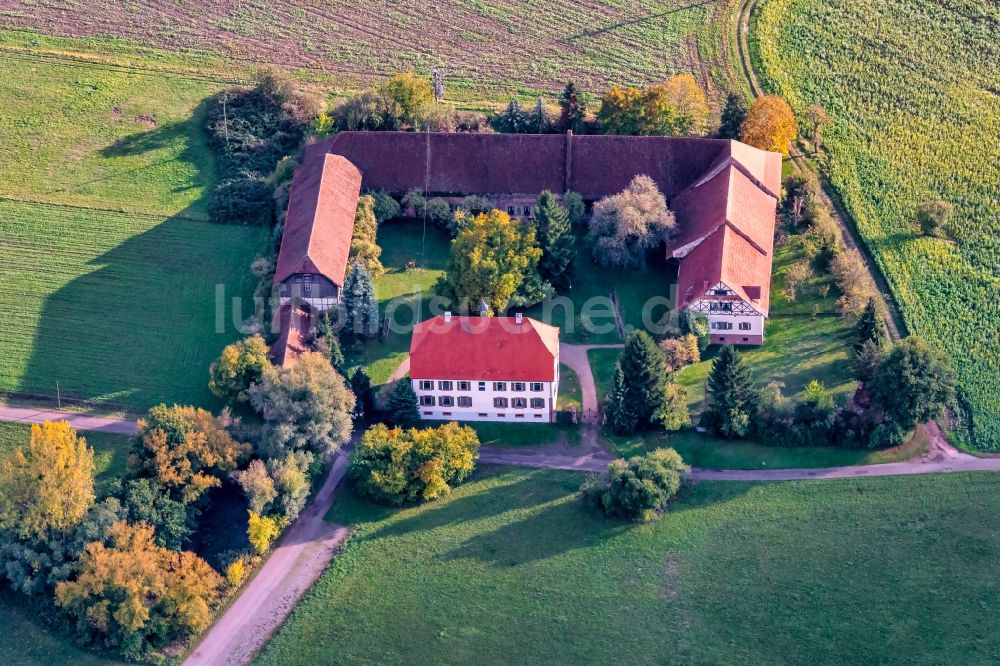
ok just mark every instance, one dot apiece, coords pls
pixel 267 600
pixel 575 356
pixel 77 420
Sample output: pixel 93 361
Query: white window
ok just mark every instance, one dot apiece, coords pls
pixel 446 401
pixel 465 386
pixel 500 403
pixel 464 401
pixel 520 403
pixel 426 385
pixel 722 325
pixel 720 306
pixel 499 386
pixel 537 387
pixel 721 292
pixel 744 326
pixel 307 284
pixel 427 400
pixel 444 385
pixel 538 403
pixel 518 387
pixel 482 387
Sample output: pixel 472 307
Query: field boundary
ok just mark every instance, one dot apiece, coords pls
pixel 831 197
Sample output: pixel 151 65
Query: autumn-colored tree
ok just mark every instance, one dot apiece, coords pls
pixel 239 366
pixel 689 101
pixel 624 226
pixel 658 114
pixel 258 486
pixel 135 594
pixel 409 98
pixel 261 531
pixel 396 466
pixel 621 111
pixel 769 125
pixel 680 352
pixel 306 407
pixel 494 259
pixel 186 450
pixel 364 245
pixel 674 414
pixel 47 487
pixel 853 280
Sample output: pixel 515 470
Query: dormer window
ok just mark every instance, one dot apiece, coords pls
pixel 721 292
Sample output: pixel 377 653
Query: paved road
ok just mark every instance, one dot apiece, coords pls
pixel 78 421
pixel 267 600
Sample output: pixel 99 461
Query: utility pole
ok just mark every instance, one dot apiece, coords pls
pixel 438 85
pixel 58 395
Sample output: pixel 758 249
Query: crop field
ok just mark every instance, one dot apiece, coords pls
pixel 517 46
pixel 912 88
pixel 108 269
pixel 512 568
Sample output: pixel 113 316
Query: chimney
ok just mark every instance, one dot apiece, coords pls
pixel 447 317
pixel 519 318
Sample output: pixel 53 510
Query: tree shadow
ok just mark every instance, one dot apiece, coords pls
pixel 586 34
pixel 139 324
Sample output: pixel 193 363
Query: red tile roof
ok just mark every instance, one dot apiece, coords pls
pixel 484 348
pixel 727 256
pixel 320 221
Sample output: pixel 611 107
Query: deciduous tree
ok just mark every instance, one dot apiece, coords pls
pixel 680 352
pixel 240 365
pixel 306 407
pixel 638 489
pixel 46 487
pixel 913 383
pixel 674 414
pixel 397 466
pixel 409 98
pixel 689 101
pixel 365 249
pixel 933 217
pixel 133 593
pixel 769 125
pixel 494 259
pixel 626 225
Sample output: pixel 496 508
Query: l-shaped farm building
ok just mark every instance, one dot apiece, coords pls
pixel 724 195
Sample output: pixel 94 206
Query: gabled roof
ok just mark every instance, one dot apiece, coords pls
pixel 725 195
pixel 727 256
pixel 484 348
pixel 468 163
pixel 320 222
pixel 290 344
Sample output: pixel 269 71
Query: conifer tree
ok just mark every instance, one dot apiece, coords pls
pixel 572 110
pixel 870 327
pixel 733 115
pixel 513 120
pixel 538 121
pixel 360 308
pixel 361 386
pixel 555 235
pixel 621 410
pixel 643 374
pixel 732 398
pixel 402 407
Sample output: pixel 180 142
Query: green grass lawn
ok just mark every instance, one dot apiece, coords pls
pixel 570 395
pixel 110 272
pixel 525 434
pixel 28 642
pixel 924 127
pixel 404 294
pixel 512 568
pixel 110 450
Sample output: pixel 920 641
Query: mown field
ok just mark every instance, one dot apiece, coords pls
pixel 912 88
pixel 513 569
pixel 481 47
pixel 109 267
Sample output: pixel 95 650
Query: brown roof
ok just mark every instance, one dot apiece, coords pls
pixel 465 163
pixel 290 344
pixel 320 221
pixel 484 348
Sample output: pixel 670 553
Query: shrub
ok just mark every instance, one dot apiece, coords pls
pixel 401 466
pixel 638 489
pixel 261 531
pixel 240 365
pixel 236 572
pixel 384 206
pixel 246 201
pixel 853 281
pixel 680 352
pixel 933 217
pixel 674 415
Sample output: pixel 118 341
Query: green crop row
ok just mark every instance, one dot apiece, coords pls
pixel 912 89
